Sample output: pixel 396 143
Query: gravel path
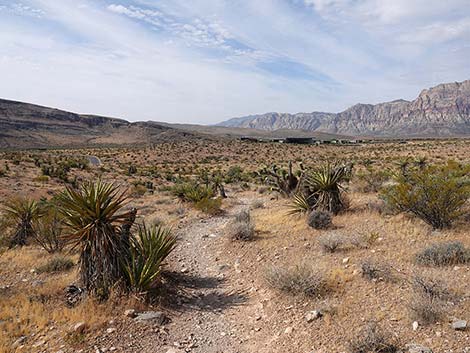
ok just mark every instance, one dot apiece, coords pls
pixel 210 302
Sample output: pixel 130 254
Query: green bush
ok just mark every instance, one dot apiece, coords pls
pixel 192 192
pixel 210 206
pixel 435 195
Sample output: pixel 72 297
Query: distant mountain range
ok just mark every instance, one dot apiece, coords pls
pixel 24 125
pixel 440 111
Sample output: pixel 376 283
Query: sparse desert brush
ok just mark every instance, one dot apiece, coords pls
pixel 332 242
pixel 444 254
pixel 427 303
pixel 434 194
pixel 56 264
pixel 210 206
pixel 373 339
pixel 241 227
pixel 318 219
pixel 192 191
pixel 138 190
pixel 377 271
pixel 305 280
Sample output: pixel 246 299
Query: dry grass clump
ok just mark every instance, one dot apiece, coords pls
pixel 376 271
pixel 318 219
pixel 332 242
pixel 56 264
pixel 298 280
pixel 444 254
pixel 372 339
pixel 241 227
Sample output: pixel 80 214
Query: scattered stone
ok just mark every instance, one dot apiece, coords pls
pixel 184 270
pixel 39 343
pixel 345 260
pixel 19 342
pixel 155 316
pixel 80 327
pixel 111 330
pixel 130 313
pixel 313 315
pixel 415 325
pixel 288 330
pixel 416 348
pixel 173 350
pixel 459 325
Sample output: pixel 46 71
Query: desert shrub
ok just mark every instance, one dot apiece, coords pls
pixel 318 219
pixel 331 242
pixel 430 288
pixel 427 304
pixel 234 175
pixel 56 264
pixel 49 229
pixel 19 214
pixel 424 311
pixel 372 339
pixel 98 229
pixel 435 195
pixel 444 254
pixel 257 204
pixel 371 181
pixel 138 190
pixel 147 251
pixel 241 227
pixel 210 206
pixel 192 192
pixel 374 270
pixel 41 179
pixel 298 280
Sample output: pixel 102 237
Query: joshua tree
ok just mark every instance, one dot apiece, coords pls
pixel 92 215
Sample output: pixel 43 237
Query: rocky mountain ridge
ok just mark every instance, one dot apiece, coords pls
pixel 443 110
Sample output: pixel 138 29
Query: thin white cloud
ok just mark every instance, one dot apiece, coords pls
pixel 204 61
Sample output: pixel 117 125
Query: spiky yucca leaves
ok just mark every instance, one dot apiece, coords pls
pixel 48 229
pixel 92 216
pixel 147 252
pixel 299 205
pixel 19 214
pixel 325 183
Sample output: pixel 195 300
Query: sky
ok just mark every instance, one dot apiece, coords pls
pixel 205 61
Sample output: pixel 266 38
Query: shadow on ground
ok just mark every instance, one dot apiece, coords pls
pixel 190 292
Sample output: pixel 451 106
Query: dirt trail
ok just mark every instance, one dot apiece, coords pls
pixel 212 301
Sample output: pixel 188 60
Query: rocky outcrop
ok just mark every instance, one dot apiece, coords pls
pixel 443 110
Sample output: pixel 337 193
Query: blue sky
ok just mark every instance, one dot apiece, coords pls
pixel 203 61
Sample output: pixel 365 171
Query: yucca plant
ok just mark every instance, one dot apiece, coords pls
pixel 48 229
pixel 93 218
pixel 326 184
pixel 19 214
pixel 299 205
pixel 148 249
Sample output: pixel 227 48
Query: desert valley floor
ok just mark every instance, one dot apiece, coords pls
pixel 214 294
